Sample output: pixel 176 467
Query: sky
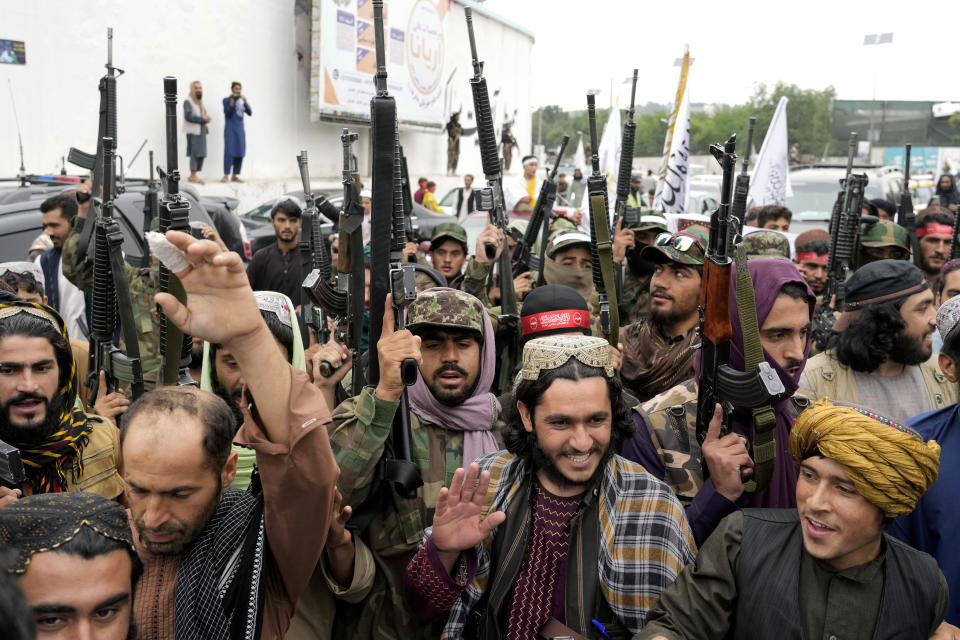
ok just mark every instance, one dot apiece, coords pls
pixel 736 46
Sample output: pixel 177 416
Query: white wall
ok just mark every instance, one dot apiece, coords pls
pixel 214 41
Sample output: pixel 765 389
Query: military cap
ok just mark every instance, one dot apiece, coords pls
pixel 444 307
pixel 876 282
pixel 883 234
pixel 766 244
pixel 685 247
pixel 43 522
pixel 448 230
pixel 638 220
pixel 566 238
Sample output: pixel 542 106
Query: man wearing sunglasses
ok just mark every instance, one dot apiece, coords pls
pixel 658 352
pixel 634 232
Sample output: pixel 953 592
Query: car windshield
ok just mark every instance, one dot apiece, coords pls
pixel 812 196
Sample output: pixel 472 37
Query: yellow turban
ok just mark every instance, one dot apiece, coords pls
pixel 890 466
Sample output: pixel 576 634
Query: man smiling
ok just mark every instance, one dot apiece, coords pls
pixel 825 569
pixel 529 551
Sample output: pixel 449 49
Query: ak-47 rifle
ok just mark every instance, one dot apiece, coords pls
pixel 388 272
pixel 601 245
pixel 623 179
pixel 523 257
pixel 110 296
pixel 107 128
pixel 719 383
pixel 490 199
pixel 313 255
pixel 742 189
pixel 11 467
pixel 845 224
pixel 174 215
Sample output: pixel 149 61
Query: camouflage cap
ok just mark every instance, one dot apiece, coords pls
pixel 766 244
pixel 651 221
pixel 883 234
pixel 566 238
pixel 442 307
pixel 448 230
pixel 665 247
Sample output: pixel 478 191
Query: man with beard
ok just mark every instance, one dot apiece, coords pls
pixel 825 569
pixel 76 564
pixel 62 448
pixel 946 195
pixel 628 243
pixel 813 248
pixel 59 212
pixel 578 185
pixel 218 562
pixel 666 439
pixel 276 267
pixel 454 419
pixel 935 231
pixel 530 550
pixel 880 355
pixel 658 353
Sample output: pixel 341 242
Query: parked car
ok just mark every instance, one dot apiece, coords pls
pixel 815 187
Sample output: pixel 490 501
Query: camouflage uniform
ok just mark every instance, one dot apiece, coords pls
pixel 766 244
pixel 635 297
pixel 360 429
pixel 473 280
pixel 143 285
pixel 882 234
pixel 671 420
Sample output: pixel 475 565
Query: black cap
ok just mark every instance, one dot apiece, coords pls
pixel 883 278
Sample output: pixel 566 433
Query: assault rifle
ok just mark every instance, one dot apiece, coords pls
pixel 107 128
pixel 719 383
pixel 110 295
pixel 742 189
pixel 313 255
pixel 151 202
pixel 174 215
pixel 601 246
pixel 490 199
pixel 11 467
pixel 906 217
pixel 845 224
pixel 388 272
pixel 623 179
pixel 523 258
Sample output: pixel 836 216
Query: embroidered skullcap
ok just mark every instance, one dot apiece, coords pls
pixel 35 309
pixel 552 352
pixel 43 522
pixel 889 463
pixel 948 315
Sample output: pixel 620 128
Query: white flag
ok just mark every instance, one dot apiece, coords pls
pixel 609 150
pixel 671 193
pixel 770 182
pixel 579 160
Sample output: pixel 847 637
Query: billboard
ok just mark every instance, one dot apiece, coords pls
pixel 13 52
pixel 415 41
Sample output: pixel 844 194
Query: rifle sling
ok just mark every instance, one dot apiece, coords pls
pixel 764 419
pixel 605 255
pixel 125 307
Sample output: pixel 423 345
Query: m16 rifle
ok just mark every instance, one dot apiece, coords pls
pixel 601 246
pixel 742 189
pixel 623 178
pixel 719 383
pixel 313 256
pixel 845 224
pixel 107 128
pixel 110 296
pixel 174 215
pixel 523 257
pixel 490 199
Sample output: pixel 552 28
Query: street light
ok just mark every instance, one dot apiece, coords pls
pixel 873 39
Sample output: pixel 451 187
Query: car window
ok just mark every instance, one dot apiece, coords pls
pixel 812 196
pixel 450 199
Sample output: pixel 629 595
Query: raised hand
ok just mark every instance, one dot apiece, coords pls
pixel 489 235
pixel 457 521
pixel 727 458
pixel 393 348
pixel 622 239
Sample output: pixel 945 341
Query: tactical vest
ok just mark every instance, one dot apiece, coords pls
pixel 768 582
pixel 830 378
pixel 671 420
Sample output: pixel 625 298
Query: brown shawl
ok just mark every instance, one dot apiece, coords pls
pixel 653 363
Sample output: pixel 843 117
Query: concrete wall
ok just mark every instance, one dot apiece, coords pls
pixel 265 44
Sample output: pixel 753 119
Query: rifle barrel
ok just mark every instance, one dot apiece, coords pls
pixel 170 103
pixel 746 154
pixel 592 117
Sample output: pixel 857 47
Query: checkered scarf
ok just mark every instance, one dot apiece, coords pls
pixel 645 540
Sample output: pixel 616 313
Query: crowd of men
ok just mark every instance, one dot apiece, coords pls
pixel 579 501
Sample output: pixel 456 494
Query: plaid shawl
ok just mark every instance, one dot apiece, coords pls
pixel 645 538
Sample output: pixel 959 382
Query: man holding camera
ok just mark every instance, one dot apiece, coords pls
pixel 235 106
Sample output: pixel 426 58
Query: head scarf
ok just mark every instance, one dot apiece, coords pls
pixel 43 522
pixel 476 414
pixel 47 463
pixel 267 301
pixel 947 197
pixel 890 464
pixel 769 277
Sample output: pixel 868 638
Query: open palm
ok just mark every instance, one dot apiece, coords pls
pixel 458 524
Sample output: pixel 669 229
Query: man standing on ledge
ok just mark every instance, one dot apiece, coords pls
pixel 235 106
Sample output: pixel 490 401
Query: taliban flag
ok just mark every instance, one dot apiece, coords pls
pixel 671 192
pixel 770 182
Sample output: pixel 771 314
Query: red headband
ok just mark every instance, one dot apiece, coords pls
pixel 812 256
pixel 934 228
pixel 560 319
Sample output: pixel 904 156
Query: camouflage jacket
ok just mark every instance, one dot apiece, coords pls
pixel 361 427
pixel 671 420
pixel 635 301
pixel 143 286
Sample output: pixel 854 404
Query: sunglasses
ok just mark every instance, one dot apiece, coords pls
pixel 680 241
